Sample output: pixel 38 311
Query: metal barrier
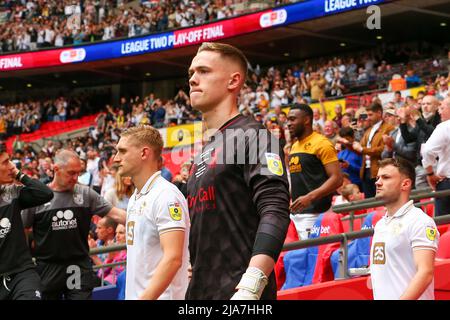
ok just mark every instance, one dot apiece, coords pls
pixel 351 207
pixel 343 238
pixel 108 249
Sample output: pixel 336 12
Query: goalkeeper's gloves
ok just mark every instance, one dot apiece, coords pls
pixel 251 286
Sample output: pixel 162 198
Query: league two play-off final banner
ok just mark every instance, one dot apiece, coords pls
pixel 184 37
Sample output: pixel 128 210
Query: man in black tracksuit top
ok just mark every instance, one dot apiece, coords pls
pixel 238 193
pixel 18 277
pixel 60 230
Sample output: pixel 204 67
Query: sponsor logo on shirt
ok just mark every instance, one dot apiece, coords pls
pixel 130 233
pixel 64 220
pixel 7 196
pixel 431 233
pixel 204 200
pixel 379 253
pixel 274 164
pixel 175 211
pixel 294 164
pixel 78 198
pixel 5 227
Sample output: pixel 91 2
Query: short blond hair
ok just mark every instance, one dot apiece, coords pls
pixel 227 51
pixel 349 190
pixel 145 135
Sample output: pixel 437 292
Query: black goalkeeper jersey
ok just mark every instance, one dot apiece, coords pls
pixel 238 188
pixel 14 252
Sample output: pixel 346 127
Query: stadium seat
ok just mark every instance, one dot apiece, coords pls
pixel 359 249
pixel 443 228
pixel 280 274
pixel 444 246
pixel 428 208
pixel 312 265
pixel 105 293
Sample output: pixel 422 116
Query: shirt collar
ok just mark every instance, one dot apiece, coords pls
pixel 402 211
pixel 378 125
pixel 147 186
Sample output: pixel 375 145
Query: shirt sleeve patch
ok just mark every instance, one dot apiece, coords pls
pixel 431 233
pixel 274 164
pixel 175 211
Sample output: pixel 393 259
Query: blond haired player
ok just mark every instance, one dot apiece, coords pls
pixel 157 221
pixel 405 239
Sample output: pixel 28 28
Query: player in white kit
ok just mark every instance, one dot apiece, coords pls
pixel 405 240
pixel 157 221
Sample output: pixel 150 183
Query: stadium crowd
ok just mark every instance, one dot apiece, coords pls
pixel 397 68
pixel 361 136
pixel 34 24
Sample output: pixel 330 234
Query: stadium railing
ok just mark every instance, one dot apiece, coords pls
pixel 343 238
pixel 354 206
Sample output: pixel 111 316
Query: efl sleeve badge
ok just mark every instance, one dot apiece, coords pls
pixel 175 211
pixel 431 233
pixel 274 164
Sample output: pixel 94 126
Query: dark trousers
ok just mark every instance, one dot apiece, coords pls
pixel 443 203
pixel 60 281
pixel 24 285
pixel 368 185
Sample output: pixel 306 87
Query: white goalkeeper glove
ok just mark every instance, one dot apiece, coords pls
pixel 251 286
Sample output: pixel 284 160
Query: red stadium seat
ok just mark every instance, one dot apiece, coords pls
pixel 444 246
pixel 428 208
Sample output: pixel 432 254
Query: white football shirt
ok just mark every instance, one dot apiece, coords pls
pixel 159 207
pixel 391 255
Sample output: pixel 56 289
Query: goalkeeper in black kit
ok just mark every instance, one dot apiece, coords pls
pixel 18 279
pixel 238 192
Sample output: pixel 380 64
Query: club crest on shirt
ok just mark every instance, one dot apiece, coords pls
pixel 274 164
pixel 175 211
pixel 379 253
pixel 7 196
pixel 78 198
pixel 431 233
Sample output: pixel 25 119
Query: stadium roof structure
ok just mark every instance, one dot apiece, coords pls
pixel 329 35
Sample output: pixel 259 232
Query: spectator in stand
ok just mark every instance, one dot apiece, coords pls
pixel 412 80
pixel 317 86
pixel 330 130
pixel 351 192
pixel 371 147
pixel 85 177
pixel 394 144
pixel 120 193
pixel 436 153
pixel 93 167
pixel 415 128
pixel 349 160
pixel 339 115
pixel 180 181
pixel 106 232
pixel 320 115
pixel 111 274
pixel 398 100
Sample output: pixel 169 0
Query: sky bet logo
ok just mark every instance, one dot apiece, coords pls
pixel 316 230
pixel 5 227
pixel 64 221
